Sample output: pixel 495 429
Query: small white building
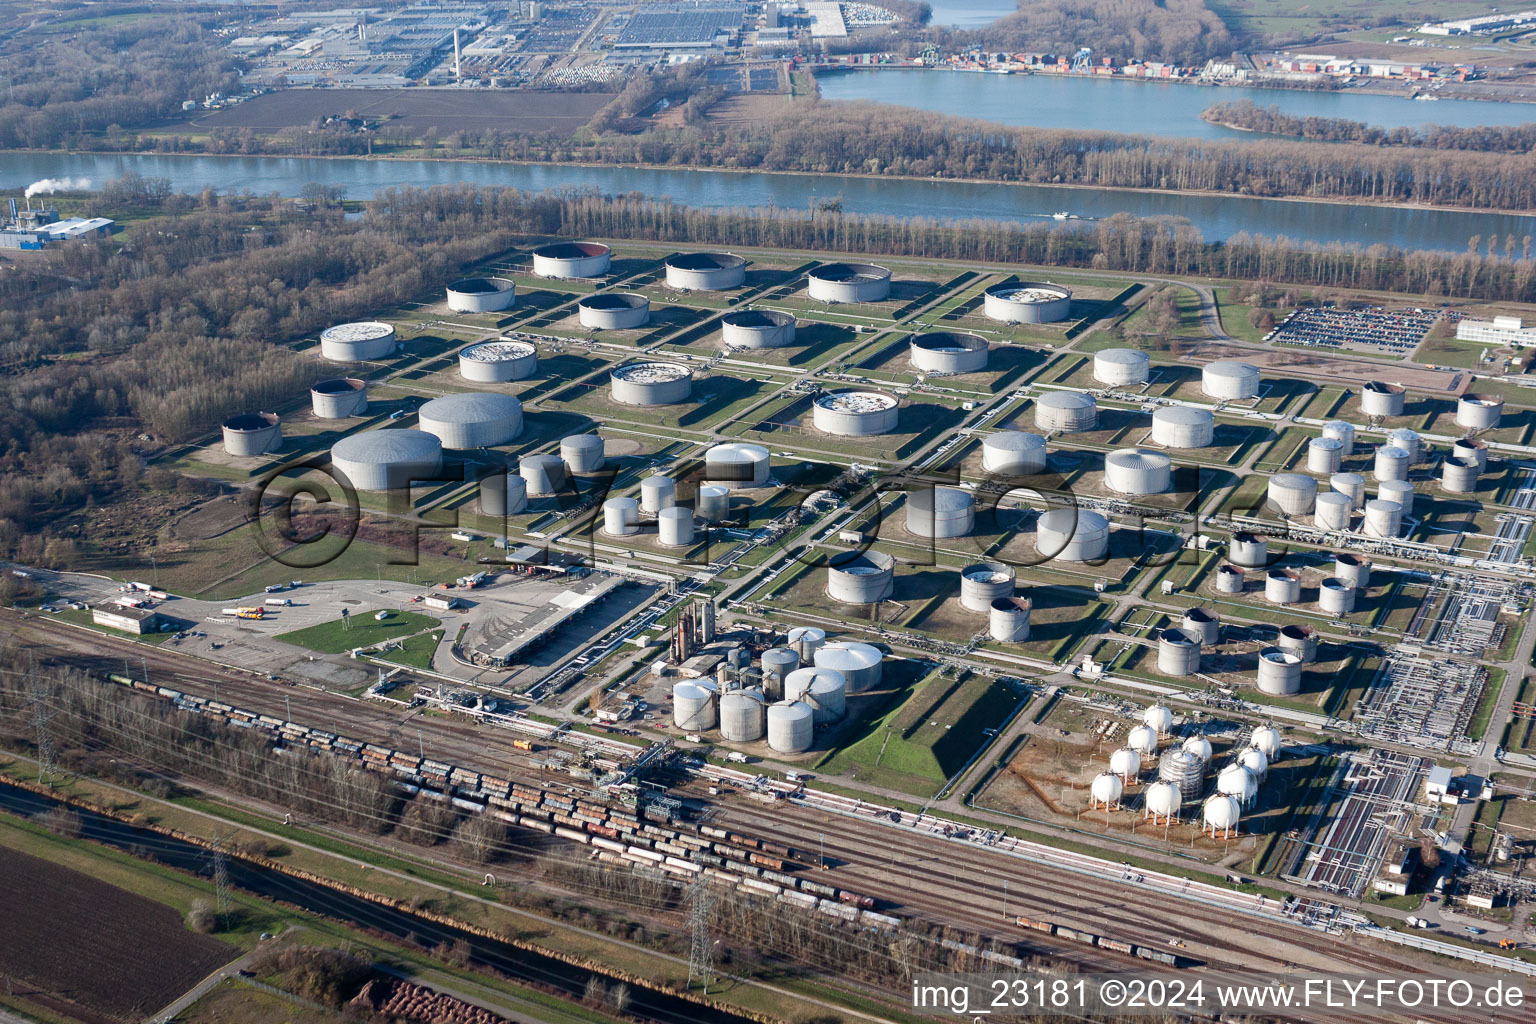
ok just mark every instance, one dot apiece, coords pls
pixel 129 620
pixel 442 602
pixel 1437 788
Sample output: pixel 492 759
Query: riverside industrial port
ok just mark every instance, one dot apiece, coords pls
pixel 909 570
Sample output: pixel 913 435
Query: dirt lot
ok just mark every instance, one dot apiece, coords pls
pixel 96 952
pixel 445 109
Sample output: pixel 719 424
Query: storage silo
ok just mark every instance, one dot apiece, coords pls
pixel 1138 471
pixel 1105 791
pixel 1202 624
pixel 1229 579
pixel 778 663
pixel 742 717
pixel 1143 740
pixel 621 517
pixel 985 582
pixel 1180 426
pixel 791 727
pixel 1342 432
pixel 650 384
pixel 1351 485
pixel 253 433
pixel 1378 399
pixel 476 419
pixel 1479 412
pixel 1400 491
pixel 338 398
pixel 1292 494
pixel 1220 813
pixel 613 311
pixel 1333 511
pixel 824 690
pixel 1066 412
pixel 567 261
pixel 805 641
pixel 1279 672
pixel 1126 763
pixel 737 466
pixel 674 526
pixel 497 362
pixel 1229 379
pixel 1182 769
pixel 1248 550
pixel 1409 441
pixel 1237 782
pixel 1324 455
pixel 357 342
pixel 1471 448
pixel 482 294
pixel 1178 653
pixel 1301 641
pixel 947 352
pixel 544 474
pixel 1383 519
pixel 705 271
pixel 1353 569
pixel 383 460
pixel 1008 619
pixel 866 579
pixel 1118 367
pixel 583 454
pixel 859 664
pixel 1072 535
pixel 757 328
pixel 693 706
pixel 1282 586
pixel 503 494
pixel 1336 596
pixel 1459 476
pixel 854 413
pixel 657 493
pixel 712 503
pixel 1013 453
pixel 849 282
pixel 1162 801
pixel 940 513
pixel 1026 302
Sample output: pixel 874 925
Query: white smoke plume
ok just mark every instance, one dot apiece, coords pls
pixel 48 186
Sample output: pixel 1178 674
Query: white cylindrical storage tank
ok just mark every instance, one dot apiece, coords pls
pixel 1248 550
pixel 1072 535
pixel 1126 763
pixel 570 260
pixel 338 398
pixel 1391 463
pixel 1178 653
pixel 1008 620
pixel 778 663
pixel 1182 769
pixel 1237 782
pixel 1336 596
pixel 693 707
pixel 757 328
pixel 1409 441
pixel 1025 302
pixel 742 717
pixel 1267 739
pixel 705 271
pixel 1400 491
pixel 1352 569
pixel 805 641
pixel 496 362
pixel 1143 740
pixel 1179 426
pixel 1459 476
pixel 1013 453
pixel 1221 813
pixel 674 526
pixel 1159 718
pixel 1117 367
pixel 648 384
pixel 476 419
pixel 1199 746
pixel 1383 519
pixel 1106 790
pixel 353 343
pixel 1279 672
pixel 253 433
pixel 712 503
pixel 1299 640
pixel 1324 455
pixel 859 664
pixel 583 454
pixel 383 460
pixel 482 294
pixel 737 466
pixel 621 517
pixel 854 413
pixel 940 513
pixel 849 282
pixel 613 311
pixel 791 727
pixel 1066 412
pixel 1333 511
pixel 1282 586
pixel 824 690
pixel 544 474
pixel 1342 432
pixel 1351 484
pixel 947 352
pixel 983 583
pixel 1479 412
pixel 1256 761
pixel 1202 624
pixel 1230 379
pixel 503 494
pixel 1163 801
pixel 1229 579
pixel 865 579
pixel 657 493
pixel 1378 398
pixel 1471 448
pixel 1138 471
pixel 1292 494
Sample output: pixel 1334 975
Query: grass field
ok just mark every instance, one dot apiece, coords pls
pixel 360 629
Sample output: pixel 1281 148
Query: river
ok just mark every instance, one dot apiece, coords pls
pixel 1217 217
pixel 1170 109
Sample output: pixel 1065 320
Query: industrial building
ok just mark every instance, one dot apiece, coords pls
pixel 472 420
pixel 129 620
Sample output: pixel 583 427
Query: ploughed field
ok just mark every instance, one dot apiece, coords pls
pixel 446 109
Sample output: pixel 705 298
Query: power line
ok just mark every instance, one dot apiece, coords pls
pixel 701 952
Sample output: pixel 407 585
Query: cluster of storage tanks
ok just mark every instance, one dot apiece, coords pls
pixel 1180 773
pixel 785 697
pixel 1248 559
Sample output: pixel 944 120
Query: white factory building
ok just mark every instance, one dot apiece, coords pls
pixel 1501 330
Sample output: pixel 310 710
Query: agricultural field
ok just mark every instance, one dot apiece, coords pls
pixel 558 113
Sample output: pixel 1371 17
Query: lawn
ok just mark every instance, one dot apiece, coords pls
pixel 360 629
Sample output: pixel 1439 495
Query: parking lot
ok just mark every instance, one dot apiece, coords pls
pixel 1395 331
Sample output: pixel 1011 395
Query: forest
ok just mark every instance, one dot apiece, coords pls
pixel 1248 115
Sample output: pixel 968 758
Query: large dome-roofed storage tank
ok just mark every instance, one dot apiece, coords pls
pixel 1479 412
pixel 855 413
pixel 1378 399
pixel 705 271
pixel 1179 426
pixel 1333 511
pixel 1027 302
pixel 1066 412
pixel 737 466
pixel 674 527
pixel 1248 550
pixel 1163 801
pixel 1336 596
pixel 825 690
pixel 1325 455
pixel 1013 453
pixel 1291 494
pixel 778 663
pixel 1178 653
pixel 1342 432
pixel 1353 569
pixel 1409 441
pixel 1383 519
pixel 1400 491
pixel 566 261
pixel 650 384
pixel 621 517
pixel 1352 485
pixel 544 474
pixel 1105 790
pixel 1301 641
pixel 1008 620
pixel 849 282
pixel 339 398
pixel 657 493
pixel 384 460
pixel 1229 379
pixel 806 641
pixel 1118 367
pixel 940 513
pixel 1237 782
pixel 984 582
pixel 866 579
pixel 482 294
pixel 503 494
pixel 613 311
pixel 1471 448
pixel 253 433
pixel 948 352
pixel 742 717
pixel 1279 672
pixel 1221 813
pixel 476 419
pixel 499 361
pixel 357 342
pixel 1138 471
pixel 1458 476
pixel 712 503
pixel 757 328
pixel 693 706
pixel 1282 586
pixel 1202 624
pixel 860 664
pixel 1072 535
pixel 791 727
pixel 583 454
pixel 1126 763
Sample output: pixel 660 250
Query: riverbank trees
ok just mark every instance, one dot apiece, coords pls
pixel 1248 115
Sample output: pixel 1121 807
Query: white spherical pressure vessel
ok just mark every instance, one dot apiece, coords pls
pixel 1143 740
pixel 1106 789
pixel 1163 800
pixel 1221 813
pixel 1126 763
pixel 1158 718
pixel 1238 782
pixel 1255 761
pixel 1267 739
pixel 1197 745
